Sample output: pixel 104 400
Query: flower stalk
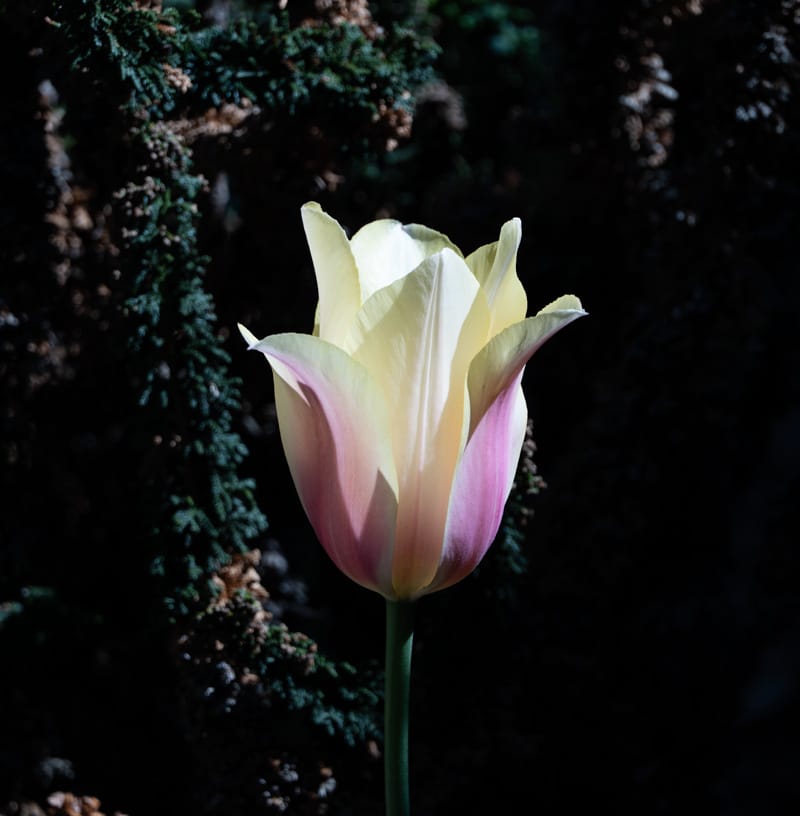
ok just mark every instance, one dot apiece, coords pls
pixel 399 640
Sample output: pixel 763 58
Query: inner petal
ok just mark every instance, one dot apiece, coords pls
pixel 417 337
pixel 495 267
pixel 336 273
pixel 386 250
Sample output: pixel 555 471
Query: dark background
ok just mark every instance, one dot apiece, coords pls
pixel 635 644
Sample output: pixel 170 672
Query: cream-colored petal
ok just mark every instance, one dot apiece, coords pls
pixel 495 267
pixel 248 336
pixel 336 273
pixel 506 354
pixel 335 431
pixel 387 250
pixel 417 337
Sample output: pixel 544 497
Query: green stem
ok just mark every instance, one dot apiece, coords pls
pixel 399 638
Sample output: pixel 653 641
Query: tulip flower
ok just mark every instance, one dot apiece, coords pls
pixel 402 416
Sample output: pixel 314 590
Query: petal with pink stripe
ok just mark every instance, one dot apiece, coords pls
pixel 483 481
pixel 335 432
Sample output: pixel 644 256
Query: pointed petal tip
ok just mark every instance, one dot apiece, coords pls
pixel 248 336
pixel 565 303
pixel 445 252
pixel 311 205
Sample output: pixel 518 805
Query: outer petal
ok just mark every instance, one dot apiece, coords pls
pixel 387 250
pixel 483 481
pixel 498 415
pixel 335 432
pixel 495 267
pixel 505 355
pixel 417 338
pixel 336 272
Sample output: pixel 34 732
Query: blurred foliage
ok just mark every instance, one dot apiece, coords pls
pixel 124 45
pixel 251 680
pixel 182 369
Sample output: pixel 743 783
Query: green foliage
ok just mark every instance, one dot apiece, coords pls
pixel 181 366
pixel 340 700
pixel 510 27
pixel 327 67
pixel 506 32
pixel 150 61
pixel 248 665
pixel 121 43
pixel 260 57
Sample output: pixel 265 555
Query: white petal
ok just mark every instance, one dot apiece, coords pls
pixel 387 250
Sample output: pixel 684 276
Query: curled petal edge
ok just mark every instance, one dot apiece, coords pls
pixel 495 267
pixel 504 356
pixel 485 473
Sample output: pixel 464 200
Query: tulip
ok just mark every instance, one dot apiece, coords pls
pixel 402 417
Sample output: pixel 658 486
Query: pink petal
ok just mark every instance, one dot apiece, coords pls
pixel 498 415
pixel 483 481
pixel 335 432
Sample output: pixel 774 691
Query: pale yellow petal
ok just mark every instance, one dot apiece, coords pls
pixel 495 267
pixel 248 336
pixel 336 273
pixel 416 337
pixel 386 250
pixel 505 355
